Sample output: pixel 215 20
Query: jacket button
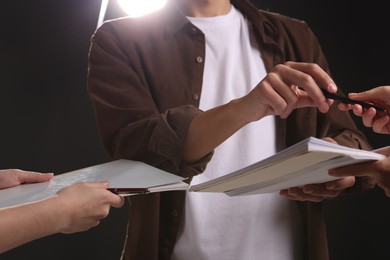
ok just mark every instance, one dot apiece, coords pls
pixel 199 59
pixel 175 213
pixel 195 96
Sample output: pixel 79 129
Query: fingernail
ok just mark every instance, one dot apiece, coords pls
pixel 332 87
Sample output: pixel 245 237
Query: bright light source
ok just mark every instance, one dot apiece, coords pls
pixel 136 8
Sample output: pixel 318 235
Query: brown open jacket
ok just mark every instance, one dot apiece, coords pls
pixel 145 80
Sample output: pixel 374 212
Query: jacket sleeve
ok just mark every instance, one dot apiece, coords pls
pixel 131 125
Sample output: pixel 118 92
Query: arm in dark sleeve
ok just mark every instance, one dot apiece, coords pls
pixel 131 125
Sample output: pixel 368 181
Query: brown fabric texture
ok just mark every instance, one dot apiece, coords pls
pixel 145 80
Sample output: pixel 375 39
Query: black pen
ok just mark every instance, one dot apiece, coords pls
pixel 128 191
pixel 350 101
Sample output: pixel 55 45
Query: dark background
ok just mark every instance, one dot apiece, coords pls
pixel 48 124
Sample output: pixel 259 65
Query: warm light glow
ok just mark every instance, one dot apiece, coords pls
pixel 136 8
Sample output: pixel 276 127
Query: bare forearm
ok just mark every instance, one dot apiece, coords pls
pixel 22 224
pixel 213 127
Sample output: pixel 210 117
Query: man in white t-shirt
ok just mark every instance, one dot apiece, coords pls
pixel 203 88
pixel 233 65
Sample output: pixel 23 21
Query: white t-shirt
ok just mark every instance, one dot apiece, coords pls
pixel 236 228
